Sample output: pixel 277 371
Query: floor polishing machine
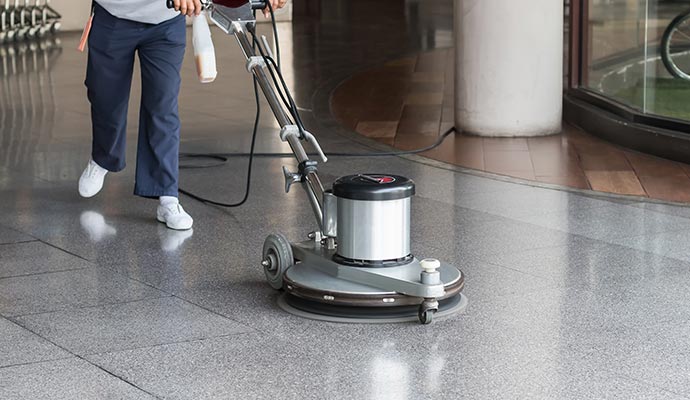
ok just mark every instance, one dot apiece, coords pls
pixel 357 266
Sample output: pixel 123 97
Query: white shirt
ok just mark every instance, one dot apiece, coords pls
pixel 146 11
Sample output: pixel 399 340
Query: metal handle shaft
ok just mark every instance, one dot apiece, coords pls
pixel 311 182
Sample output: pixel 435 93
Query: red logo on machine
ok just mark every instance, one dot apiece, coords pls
pixel 384 179
pixel 380 179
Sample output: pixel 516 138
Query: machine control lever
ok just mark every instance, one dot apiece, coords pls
pixel 312 139
pixel 267 47
pixel 293 130
pixel 290 178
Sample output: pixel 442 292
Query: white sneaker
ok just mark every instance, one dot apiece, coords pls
pixel 91 181
pixel 175 217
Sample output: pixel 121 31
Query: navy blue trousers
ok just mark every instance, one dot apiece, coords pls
pixel 113 43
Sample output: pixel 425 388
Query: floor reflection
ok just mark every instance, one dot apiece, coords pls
pixel 27 98
pixel 172 240
pixel 395 376
pixel 95 226
pixel 390 379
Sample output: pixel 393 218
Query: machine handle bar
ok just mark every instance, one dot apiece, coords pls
pixel 256 4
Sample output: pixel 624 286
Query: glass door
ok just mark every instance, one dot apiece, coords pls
pixel 635 52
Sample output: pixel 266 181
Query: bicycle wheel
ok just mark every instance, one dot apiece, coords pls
pixel 675 47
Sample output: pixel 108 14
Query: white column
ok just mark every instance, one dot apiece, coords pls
pixel 509 67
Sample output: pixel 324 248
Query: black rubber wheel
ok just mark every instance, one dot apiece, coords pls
pixel 426 316
pixel 676 40
pixel 277 257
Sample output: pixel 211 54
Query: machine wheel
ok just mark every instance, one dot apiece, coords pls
pixel 427 310
pixel 426 317
pixel 675 46
pixel 277 258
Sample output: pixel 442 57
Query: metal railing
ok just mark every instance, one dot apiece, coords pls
pixel 27 19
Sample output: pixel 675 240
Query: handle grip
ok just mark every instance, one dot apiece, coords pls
pixel 259 4
pixel 256 4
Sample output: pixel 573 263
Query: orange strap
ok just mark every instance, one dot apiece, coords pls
pixel 85 34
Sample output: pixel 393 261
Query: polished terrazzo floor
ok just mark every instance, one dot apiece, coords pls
pixel 571 296
pixel 410 102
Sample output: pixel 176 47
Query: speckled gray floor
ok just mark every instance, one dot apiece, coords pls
pixel 571 296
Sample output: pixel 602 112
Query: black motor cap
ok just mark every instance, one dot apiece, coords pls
pixel 373 187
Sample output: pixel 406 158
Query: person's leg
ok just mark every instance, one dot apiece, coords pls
pixel 108 80
pixel 161 53
pixel 112 44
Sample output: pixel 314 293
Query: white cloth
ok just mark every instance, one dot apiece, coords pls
pixel 146 11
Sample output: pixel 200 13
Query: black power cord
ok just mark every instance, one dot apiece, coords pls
pixel 251 153
pixel 249 167
pixel 225 157
pixel 274 69
pixel 254 132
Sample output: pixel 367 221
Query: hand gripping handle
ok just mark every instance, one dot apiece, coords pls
pixel 256 4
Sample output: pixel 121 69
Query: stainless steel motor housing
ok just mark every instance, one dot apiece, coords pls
pixel 374 230
pixel 373 218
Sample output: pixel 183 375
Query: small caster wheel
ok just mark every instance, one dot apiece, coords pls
pixel 426 311
pixel 426 317
pixel 277 258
